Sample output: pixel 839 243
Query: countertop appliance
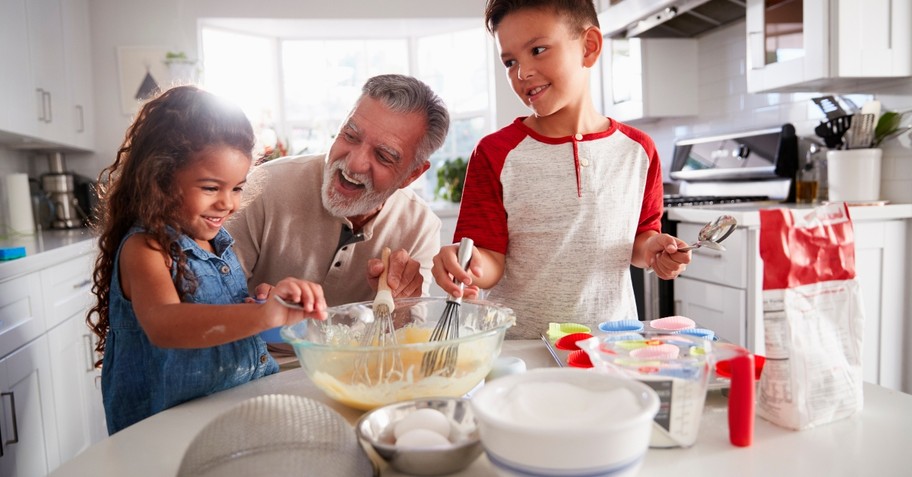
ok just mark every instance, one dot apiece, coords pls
pixel 668 18
pixel 59 185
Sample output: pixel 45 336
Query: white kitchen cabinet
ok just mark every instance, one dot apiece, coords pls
pixel 76 393
pixel 21 314
pixel 821 45
pixel 716 307
pixel 16 93
pixel 649 78
pixel 27 416
pixel 46 79
pixel 67 289
pixel 46 362
pixel 45 43
pixel 78 53
pixel 881 260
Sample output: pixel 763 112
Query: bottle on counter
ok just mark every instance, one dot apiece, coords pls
pixel 807 178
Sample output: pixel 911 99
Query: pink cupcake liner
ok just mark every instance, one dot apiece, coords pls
pixel 673 323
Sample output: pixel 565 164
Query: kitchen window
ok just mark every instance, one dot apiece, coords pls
pixel 296 91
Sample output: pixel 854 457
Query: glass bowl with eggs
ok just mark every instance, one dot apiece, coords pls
pixel 364 375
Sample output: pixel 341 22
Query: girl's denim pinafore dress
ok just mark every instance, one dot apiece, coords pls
pixel 139 379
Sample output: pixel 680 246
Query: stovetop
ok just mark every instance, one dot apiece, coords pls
pixel 691 200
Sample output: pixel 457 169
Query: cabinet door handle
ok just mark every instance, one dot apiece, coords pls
pixel 12 399
pixel 77 286
pixel 87 341
pixel 41 108
pixel 756 49
pixel 50 115
pixel 81 128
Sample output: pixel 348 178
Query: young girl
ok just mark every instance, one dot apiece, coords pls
pixel 173 316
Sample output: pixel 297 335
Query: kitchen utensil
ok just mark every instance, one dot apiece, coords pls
pixel 385 365
pixel 713 233
pixel 579 359
pixel 829 106
pixel 571 421
pixel 444 360
pixel 375 428
pixel 568 342
pixel 276 434
pixel 552 351
pixel 832 131
pixel 861 134
pixel 329 350
pixel 621 326
pixel 871 107
pixel 681 379
pixel 557 330
pixel 672 323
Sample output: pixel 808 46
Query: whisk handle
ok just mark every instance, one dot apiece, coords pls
pixel 464 256
pixel 384 294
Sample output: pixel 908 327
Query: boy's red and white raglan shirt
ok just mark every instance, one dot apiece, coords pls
pixel 565 212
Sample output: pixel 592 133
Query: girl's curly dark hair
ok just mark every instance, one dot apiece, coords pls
pixel 139 187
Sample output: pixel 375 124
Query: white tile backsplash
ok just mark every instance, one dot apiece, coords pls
pixel 726 106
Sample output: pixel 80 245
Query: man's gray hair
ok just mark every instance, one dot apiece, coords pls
pixel 405 94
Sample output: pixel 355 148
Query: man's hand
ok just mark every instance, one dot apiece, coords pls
pixel 404 276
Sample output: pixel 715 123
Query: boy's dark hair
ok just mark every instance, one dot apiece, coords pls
pixel 579 14
pixel 139 187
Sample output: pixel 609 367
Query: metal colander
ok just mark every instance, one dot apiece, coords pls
pixel 277 434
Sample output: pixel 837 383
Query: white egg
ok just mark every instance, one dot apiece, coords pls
pixel 421 438
pixel 425 418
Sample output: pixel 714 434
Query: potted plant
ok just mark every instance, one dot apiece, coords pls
pixel 183 70
pixel 450 179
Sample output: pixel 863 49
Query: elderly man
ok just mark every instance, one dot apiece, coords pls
pixel 326 218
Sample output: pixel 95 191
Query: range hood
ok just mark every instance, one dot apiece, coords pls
pixel 668 18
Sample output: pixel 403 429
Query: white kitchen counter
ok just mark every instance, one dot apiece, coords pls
pixel 45 248
pixel 873 442
pixel 747 213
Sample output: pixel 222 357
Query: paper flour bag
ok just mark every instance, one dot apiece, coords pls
pixel 812 317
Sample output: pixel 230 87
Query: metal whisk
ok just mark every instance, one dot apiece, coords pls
pixel 385 363
pixel 443 360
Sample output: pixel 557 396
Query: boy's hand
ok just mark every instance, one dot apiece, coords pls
pixel 446 268
pixel 404 277
pixel 665 260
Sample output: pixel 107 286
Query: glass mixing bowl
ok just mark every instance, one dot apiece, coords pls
pixel 333 358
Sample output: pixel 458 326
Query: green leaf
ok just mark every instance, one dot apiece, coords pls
pixel 450 179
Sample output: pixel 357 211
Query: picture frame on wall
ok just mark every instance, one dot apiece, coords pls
pixel 142 71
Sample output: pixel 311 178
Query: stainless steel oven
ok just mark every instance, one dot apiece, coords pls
pixel 742 167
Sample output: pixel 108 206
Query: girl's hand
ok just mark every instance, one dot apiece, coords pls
pixel 308 294
pixel 666 261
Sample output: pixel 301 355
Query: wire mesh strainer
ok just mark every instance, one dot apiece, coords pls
pixel 277 434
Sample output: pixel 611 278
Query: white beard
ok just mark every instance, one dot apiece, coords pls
pixel 341 206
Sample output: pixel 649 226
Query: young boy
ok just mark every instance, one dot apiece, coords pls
pixel 561 202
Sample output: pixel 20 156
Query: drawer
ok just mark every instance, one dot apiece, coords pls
pixel 716 307
pixel 67 289
pixel 21 315
pixel 727 268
